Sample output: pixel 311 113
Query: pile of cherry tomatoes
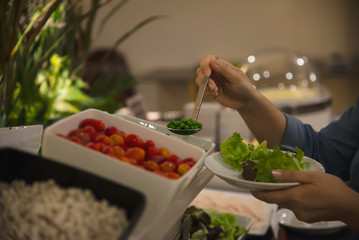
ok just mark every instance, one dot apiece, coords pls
pixel 129 148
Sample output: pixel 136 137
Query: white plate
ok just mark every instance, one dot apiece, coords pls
pixel 216 164
pixel 286 218
pixel 238 203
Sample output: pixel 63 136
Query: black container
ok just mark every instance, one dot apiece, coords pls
pixel 15 164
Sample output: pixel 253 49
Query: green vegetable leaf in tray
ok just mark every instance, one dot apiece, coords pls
pixel 209 224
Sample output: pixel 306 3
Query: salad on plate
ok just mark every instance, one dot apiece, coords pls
pixel 256 163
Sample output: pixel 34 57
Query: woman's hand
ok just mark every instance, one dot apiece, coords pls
pixel 320 197
pixel 228 84
pixel 231 87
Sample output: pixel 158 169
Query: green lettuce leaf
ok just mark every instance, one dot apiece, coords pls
pixel 235 152
pixel 227 221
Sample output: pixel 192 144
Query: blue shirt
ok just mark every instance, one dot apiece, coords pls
pixel 336 146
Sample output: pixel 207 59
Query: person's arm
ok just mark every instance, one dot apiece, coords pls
pixel 231 87
pixel 264 120
pixel 320 197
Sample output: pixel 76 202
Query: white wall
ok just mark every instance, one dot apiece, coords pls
pixel 227 28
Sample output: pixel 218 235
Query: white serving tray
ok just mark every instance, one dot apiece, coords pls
pixel 166 199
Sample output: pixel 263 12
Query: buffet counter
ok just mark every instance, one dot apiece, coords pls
pixel 267 224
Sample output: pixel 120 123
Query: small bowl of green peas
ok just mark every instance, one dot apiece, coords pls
pixel 184 126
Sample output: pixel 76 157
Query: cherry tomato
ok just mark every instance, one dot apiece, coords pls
pixel 172 175
pixel 118 139
pixel 183 168
pixel 94 146
pixel 81 134
pixel 106 149
pixel 151 165
pixel 76 139
pixel 109 131
pixel 61 135
pixel 129 148
pixel 129 160
pixel 149 143
pixel 190 161
pixel 97 124
pixel 91 131
pixel 134 140
pixel 125 159
pixel 159 172
pixel 167 166
pixel 119 151
pixel 74 132
pixel 152 151
pixel 136 153
pixel 175 159
pixel 85 138
pixel 105 139
pixel 157 158
pixel 164 152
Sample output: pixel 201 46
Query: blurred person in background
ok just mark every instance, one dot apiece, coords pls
pixel 321 196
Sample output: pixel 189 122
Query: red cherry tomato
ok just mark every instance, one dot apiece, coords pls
pixel 129 148
pixel 133 140
pixel 63 136
pixel 159 172
pixel 119 151
pixel 136 153
pixel 80 133
pixel 167 166
pixel 106 149
pixel 172 175
pixel 151 165
pixel 109 131
pixel 157 158
pixel 91 131
pixel 74 132
pixel 94 146
pixel 76 139
pixel 149 143
pixel 97 124
pixel 190 161
pixel 85 138
pixel 175 159
pixel 152 151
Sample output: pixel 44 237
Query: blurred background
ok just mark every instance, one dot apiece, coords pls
pixel 164 54
pixel 140 57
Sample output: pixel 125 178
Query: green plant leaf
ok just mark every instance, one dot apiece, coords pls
pixel 136 28
pixel 110 14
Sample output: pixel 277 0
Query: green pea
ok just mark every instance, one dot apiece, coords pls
pixel 184 124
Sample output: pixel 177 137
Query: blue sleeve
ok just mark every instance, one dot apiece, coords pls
pixel 334 146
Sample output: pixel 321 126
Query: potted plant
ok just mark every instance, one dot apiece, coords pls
pixel 44 46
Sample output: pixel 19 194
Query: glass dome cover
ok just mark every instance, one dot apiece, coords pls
pixel 282 75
